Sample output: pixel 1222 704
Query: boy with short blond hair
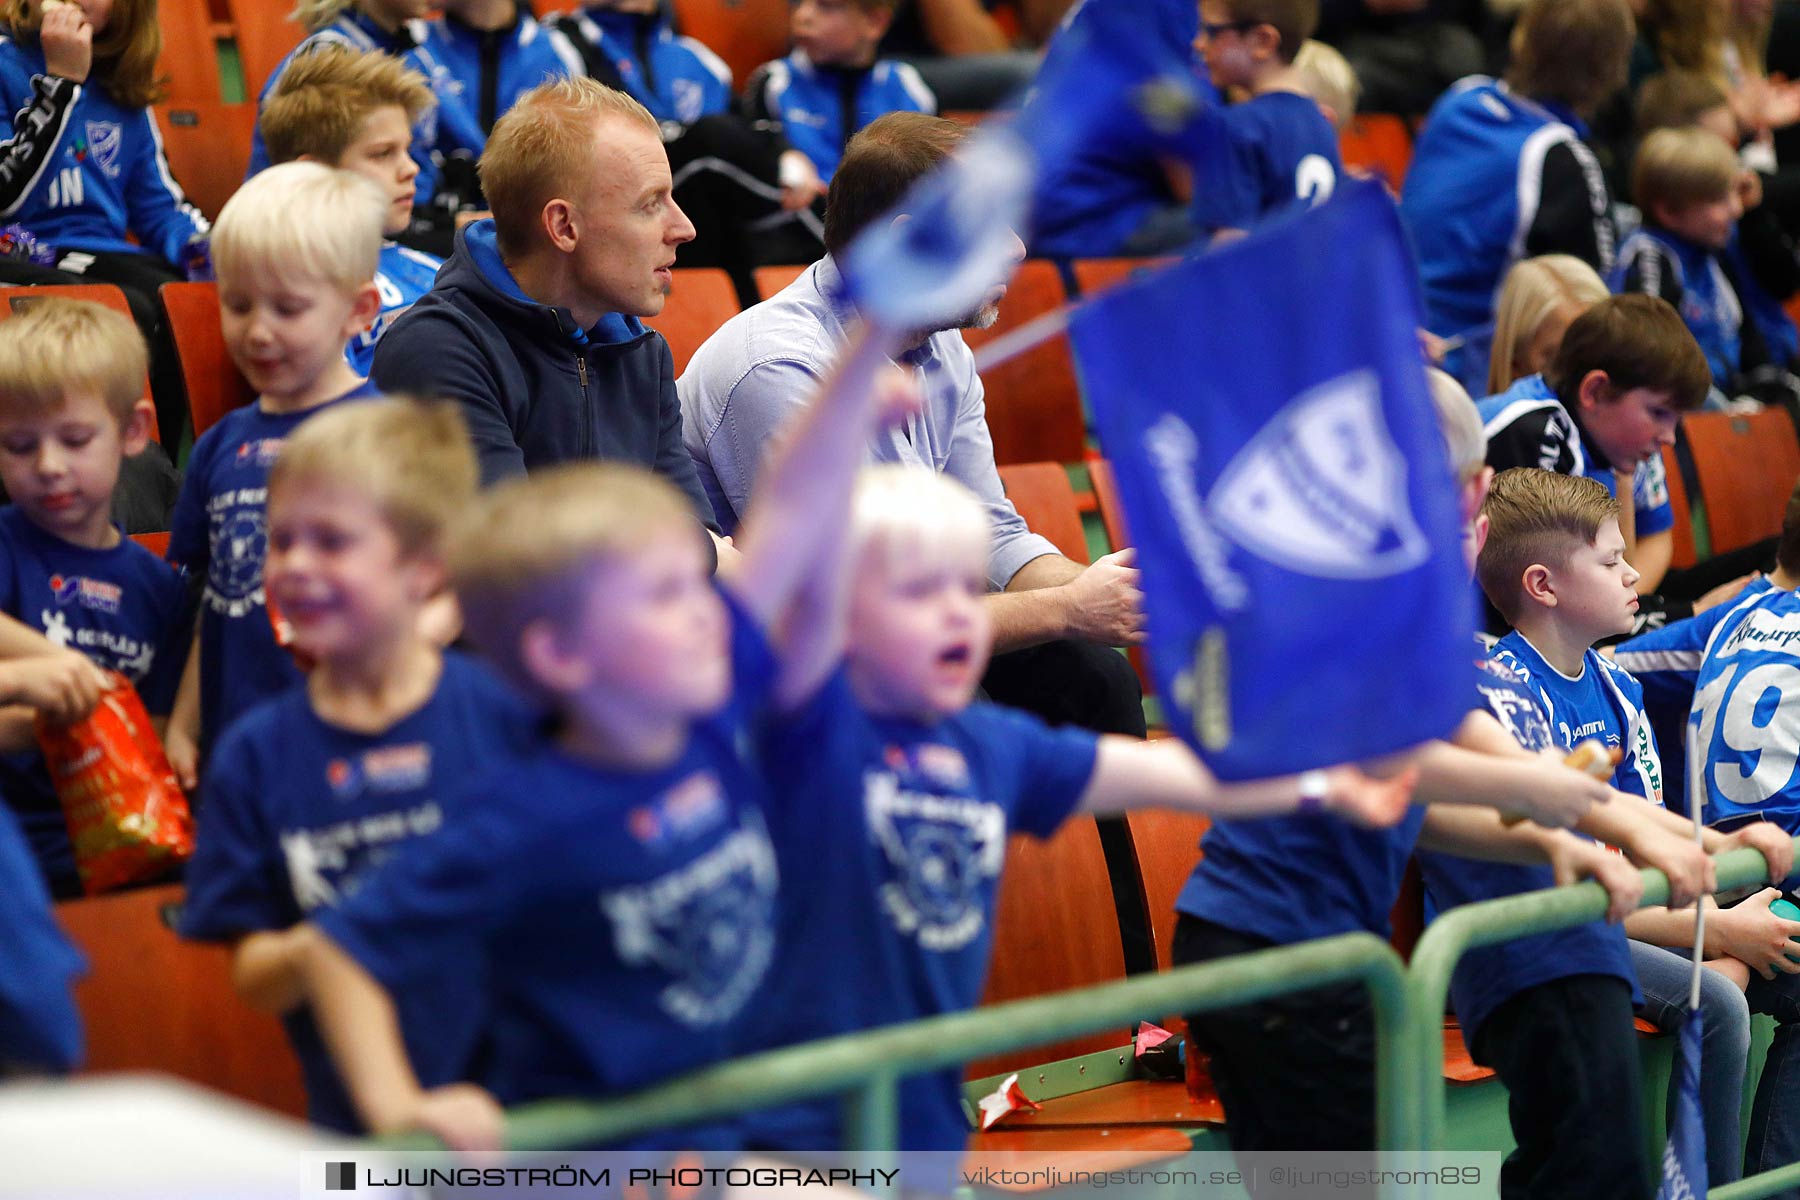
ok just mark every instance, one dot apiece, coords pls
pixel 834 82
pixel 295 252
pixel 355 110
pixel 1274 151
pixel 316 787
pixel 72 407
pixel 1691 189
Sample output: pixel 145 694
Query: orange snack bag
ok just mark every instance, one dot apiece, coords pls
pixel 127 815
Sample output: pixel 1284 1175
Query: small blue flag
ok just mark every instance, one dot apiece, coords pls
pixel 1684 1155
pixel 1281 465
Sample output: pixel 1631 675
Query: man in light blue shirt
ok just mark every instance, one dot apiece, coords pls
pixel 1052 616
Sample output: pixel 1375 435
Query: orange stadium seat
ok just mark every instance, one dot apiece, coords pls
pixel 745 33
pixel 701 300
pixel 155 543
pixel 1095 275
pixel 1745 466
pixel 1378 142
pixel 1033 402
pixel 213 384
pixel 770 280
pixel 18 299
pixel 549 8
pixel 189 61
pixel 265 34
pixel 208 146
pixel 152 1002
pixel 1046 500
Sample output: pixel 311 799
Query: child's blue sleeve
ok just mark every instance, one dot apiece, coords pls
pixel 173 636
pixel 9 580
pixel 157 211
pixel 1650 497
pixel 1051 768
pixel 237 882
pixel 754 667
pixel 39 1025
pixel 434 906
pixel 190 535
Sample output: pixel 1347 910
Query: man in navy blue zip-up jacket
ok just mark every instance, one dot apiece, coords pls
pixel 533 324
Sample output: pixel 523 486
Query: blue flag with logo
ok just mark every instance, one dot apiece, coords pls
pixel 1684 1154
pixel 1296 520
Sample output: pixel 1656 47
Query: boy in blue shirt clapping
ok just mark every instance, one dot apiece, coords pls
pixel 311 790
pixel 72 408
pixel 615 883
pixel 296 251
pixel 1274 151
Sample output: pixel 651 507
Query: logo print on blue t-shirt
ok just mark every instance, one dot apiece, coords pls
pixel 1513 706
pixel 95 594
pixel 343 777
pixel 943 851
pixel 238 554
pixel 707 925
pixel 1321 489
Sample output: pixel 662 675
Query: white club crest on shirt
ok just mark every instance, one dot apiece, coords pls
pixel 1321 489
pixel 105 139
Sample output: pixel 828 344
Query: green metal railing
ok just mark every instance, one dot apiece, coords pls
pixel 866 1068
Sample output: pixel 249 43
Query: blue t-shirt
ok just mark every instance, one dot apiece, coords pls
pixel 1487 976
pixel 221 530
pixel 1747 704
pixel 403 275
pixel 124 608
pixel 1602 703
pixel 625 920
pixel 39 1026
pixel 1666 662
pixel 296 811
pixel 1527 426
pixel 1271 154
pixel 891 835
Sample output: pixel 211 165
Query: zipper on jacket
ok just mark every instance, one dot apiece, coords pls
pixel 581 370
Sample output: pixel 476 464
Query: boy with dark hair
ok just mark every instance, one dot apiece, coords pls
pixel 71 409
pixel 1610 400
pixel 312 790
pixel 1691 190
pixel 355 110
pixel 1273 151
pixel 1554 566
pixel 833 83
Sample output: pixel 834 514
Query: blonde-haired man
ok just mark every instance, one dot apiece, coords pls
pixel 533 325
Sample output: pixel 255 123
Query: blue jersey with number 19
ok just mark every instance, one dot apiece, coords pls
pixel 1747 706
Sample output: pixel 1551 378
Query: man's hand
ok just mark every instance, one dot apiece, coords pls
pixel 1573 859
pixel 1105 603
pixel 1370 803
pixel 1689 868
pixel 800 182
pixel 67 40
pixel 464 1117
pixel 1771 840
pixel 1752 934
pixel 63 687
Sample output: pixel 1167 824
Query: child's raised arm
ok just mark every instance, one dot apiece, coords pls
pixel 1166 774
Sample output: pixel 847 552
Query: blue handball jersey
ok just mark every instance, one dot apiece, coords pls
pixel 1747 712
pixel 1527 426
pixel 1268 155
pixel 1666 662
pixel 1487 976
pixel 221 533
pixel 1602 703
pixel 891 835
pixel 124 608
pixel 39 1026
pixel 404 274
pixel 625 920
pixel 106 181
pixel 295 812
